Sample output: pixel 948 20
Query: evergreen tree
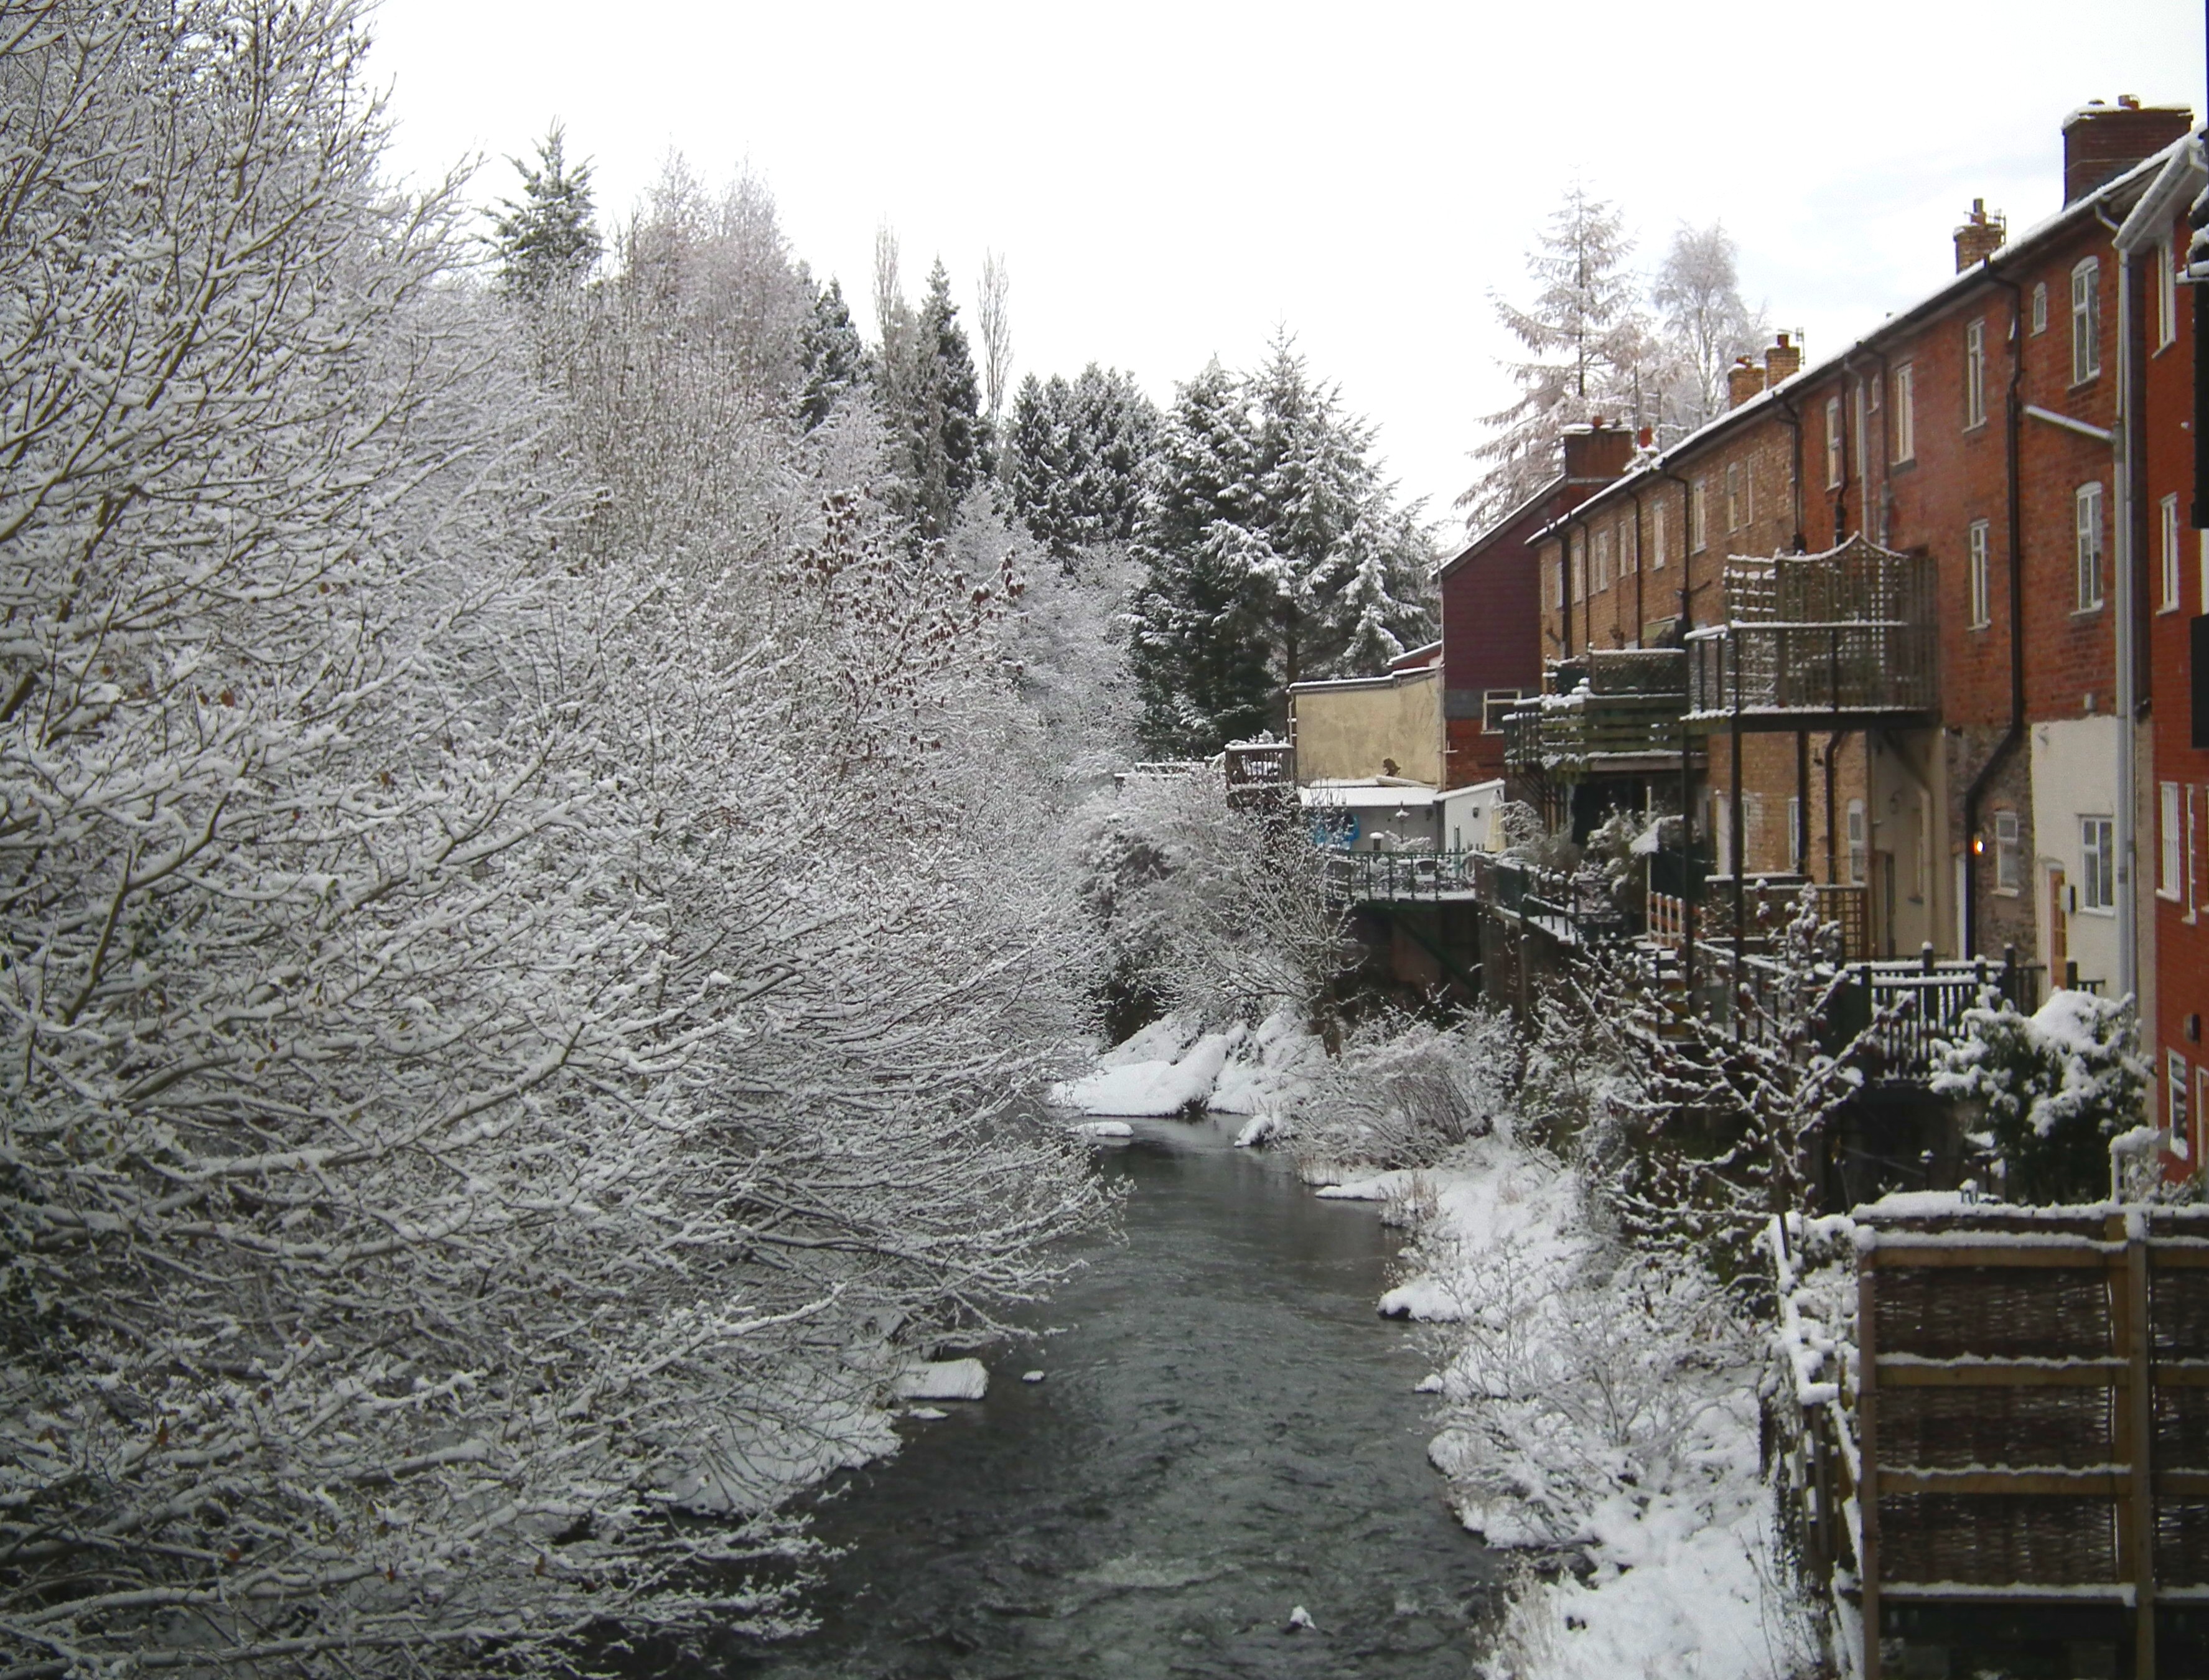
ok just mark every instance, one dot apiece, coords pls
pixel 946 434
pixel 1273 553
pixel 549 239
pixel 1588 349
pixel 1076 453
pixel 1198 650
pixel 831 355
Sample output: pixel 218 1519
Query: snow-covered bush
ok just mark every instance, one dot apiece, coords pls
pixel 1203 908
pixel 2055 1087
pixel 1404 1092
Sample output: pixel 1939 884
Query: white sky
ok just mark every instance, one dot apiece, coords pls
pixel 1168 182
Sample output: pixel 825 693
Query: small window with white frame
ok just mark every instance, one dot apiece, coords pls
pixel 2040 307
pixel 1656 536
pixel 1859 843
pixel 2098 857
pixel 1975 375
pixel 2087 503
pixel 2166 294
pixel 2170 827
pixel 1629 545
pixel 1902 424
pixel 1835 455
pixel 1602 560
pixel 1975 543
pixel 1580 565
pixel 1699 516
pixel 2009 860
pixel 2173 555
pixel 1733 496
pixel 1495 704
pixel 2086 321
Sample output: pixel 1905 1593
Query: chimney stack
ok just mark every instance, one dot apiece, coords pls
pixel 1745 379
pixel 2101 141
pixel 1783 360
pixel 1980 237
pixel 1597 454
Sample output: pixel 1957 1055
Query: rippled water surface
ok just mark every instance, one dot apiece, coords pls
pixel 1227 1430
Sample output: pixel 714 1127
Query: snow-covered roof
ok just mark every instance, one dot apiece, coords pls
pixel 1491 532
pixel 1368 793
pixel 1389 679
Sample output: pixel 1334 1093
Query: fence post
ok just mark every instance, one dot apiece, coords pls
pixel 1867 1451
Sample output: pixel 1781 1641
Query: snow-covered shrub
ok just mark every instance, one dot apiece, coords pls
pixel 1203 908
pixel 1404 1092
pixel 2055 1087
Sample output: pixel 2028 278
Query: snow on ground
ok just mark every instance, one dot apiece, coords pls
pixel 1175 1063
pixel 1598 1405
pixel 943 1379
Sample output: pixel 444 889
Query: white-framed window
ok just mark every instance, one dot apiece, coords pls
pixel 1657 535
pixel 2169 876
pixel 1602 560
pixel 1580 565
pixel 2009 861
pixel 1557 582
pixel 2193 854
pixel 2087 545
pixel 2098 856
pixel 2166 295
pixel 1975 375
pixel 2040 307
pixel 1699 516
pixel 1859 843
pixel 1902 427
pixel 2087 320
pixel 1734 520
pixel 2174 583
pixel 2178 1076
pixel 1833 450
pixel 1974 548
pixel 1629 545
pixel 1794 832
pixel 1495 705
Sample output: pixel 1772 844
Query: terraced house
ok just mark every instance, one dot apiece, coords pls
pixel 1918 621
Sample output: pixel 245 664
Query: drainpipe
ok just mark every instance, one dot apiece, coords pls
pixel 1688 898
pixel 2013 423
pixel 1640 570
pixel 1794 423
pixel 1848 459
pixel 2127 592
pixel 1885 449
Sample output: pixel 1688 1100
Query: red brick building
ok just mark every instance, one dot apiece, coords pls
pixel 2014 794
pixel 1491 606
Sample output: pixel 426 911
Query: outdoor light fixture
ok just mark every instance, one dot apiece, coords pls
pixel 1978 845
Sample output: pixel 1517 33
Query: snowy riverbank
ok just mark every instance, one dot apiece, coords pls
pixel 1598 1407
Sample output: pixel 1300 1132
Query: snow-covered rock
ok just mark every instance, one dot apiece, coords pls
pixel 943 1379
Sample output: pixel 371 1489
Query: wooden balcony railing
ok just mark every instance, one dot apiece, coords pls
pixel 1811 670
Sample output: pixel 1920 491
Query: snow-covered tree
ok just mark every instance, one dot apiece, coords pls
pixel 993 319
pixel 1273 552
pixel 483 1077
pixel 1705 326
pixel 549 236
pixel 1076 453
pixel 1587 352
pixel 832 357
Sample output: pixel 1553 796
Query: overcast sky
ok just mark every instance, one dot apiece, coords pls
pixel 1169 182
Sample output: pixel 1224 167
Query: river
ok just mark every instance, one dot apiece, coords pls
pixel 1225 1431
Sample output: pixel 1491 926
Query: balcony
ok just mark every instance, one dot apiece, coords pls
pixel 1841 640
pixel 1610 712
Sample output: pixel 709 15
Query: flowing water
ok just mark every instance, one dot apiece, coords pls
pixel 1226 1430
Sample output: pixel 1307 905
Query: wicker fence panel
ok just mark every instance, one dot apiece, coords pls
pixel 2178 1313
pixel 2044 1429
pixel 2056 1312
pixel 2181 1428
pixel 1997 1539
pixel 2181 1542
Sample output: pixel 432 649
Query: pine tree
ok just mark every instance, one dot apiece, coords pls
pixel 831 355
pixel 1589 353
pixel 549 239
pixel 1199 647
pixel 1077 451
